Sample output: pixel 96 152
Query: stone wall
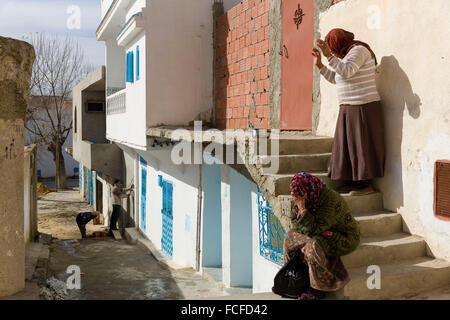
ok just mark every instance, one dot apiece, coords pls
pixel 16 61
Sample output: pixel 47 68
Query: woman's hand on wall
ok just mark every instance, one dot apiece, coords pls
pixel 325 48
pixel 317 58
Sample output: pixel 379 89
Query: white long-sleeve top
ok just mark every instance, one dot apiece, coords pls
pixel 354 76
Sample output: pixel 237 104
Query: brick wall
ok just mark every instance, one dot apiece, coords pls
pixel 242 66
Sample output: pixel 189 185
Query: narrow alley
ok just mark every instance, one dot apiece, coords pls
pixel 110 269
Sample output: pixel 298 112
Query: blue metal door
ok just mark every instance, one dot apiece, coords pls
pixel 86 183
pixel 167 216
pixel 143 194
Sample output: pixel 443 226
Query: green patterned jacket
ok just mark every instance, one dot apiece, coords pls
pixel 333 214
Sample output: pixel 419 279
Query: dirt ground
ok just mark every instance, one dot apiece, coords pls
pixel 57 212
pixel 116 270
pixel 110 269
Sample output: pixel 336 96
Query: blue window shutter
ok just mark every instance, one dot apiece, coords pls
pixel 130 67
pixel 137 63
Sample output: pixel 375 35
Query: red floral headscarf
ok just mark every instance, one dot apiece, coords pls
pixel 341 41
pixel 304 183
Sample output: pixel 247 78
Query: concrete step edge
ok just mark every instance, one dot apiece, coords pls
pixel 399 279
pixel 391 240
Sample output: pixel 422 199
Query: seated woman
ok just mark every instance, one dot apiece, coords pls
pixel 324 230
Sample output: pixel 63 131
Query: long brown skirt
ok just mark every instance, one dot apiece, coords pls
pixel 325 273
pixel 358 147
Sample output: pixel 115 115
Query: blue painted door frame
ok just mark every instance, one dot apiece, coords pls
pixel 167 215
pixel 143 181
pixel 91 188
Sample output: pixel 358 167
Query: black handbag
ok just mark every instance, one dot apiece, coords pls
pixel 293 278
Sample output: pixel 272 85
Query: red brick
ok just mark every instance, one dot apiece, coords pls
pixel 265 98
pixel 246 111
pixel 257 99
pixel 243 123
pixel 258 23
pixel 266 112
pixel 261 8
pixel 267 58
pixel 248 40
pixel 265 19
pixel 240 112
pixel 257 73
pixel 261 60
pixel 260 111
pixel 260 34
pixel 264 124
pixel 251 50
pixel 264 72
pixel 254 12
pixel 248 101
pixel 260 86
pixel 229 113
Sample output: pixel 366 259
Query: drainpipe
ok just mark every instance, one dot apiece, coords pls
pixel 199 217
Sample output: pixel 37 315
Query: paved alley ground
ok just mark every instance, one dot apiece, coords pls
pixel 110 269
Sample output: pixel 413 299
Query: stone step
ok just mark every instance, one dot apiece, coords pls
pixel 281 182
pixel 399 280
pixel 379 223
pixel 385 249
pixel 301 144
pixel 292 164
pixel 364 204
pixel 359 205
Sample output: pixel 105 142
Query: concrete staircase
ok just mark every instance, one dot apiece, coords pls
pixel 406 267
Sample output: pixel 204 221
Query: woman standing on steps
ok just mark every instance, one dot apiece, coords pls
pixel 358 153
pixel 324 230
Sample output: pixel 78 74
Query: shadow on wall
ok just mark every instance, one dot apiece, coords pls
pixel 396 96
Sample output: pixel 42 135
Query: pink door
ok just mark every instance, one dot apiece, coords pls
pixel 297 64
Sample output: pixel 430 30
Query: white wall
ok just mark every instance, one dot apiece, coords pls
pixel 413 82
pixel 185 181
pixel 180 60
pixel 129 128
pixel 135 7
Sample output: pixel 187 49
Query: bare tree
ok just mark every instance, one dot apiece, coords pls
pixel 59 66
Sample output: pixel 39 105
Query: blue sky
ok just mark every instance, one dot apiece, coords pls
pixel 20 17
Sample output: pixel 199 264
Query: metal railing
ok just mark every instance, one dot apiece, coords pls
pixel 116 103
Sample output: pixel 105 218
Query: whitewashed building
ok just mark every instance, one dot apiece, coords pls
pixel 159 74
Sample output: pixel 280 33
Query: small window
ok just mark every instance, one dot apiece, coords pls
pixel 95 106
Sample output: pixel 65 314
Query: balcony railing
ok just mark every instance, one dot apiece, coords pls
pixel 116 103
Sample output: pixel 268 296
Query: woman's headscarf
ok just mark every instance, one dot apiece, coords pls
pixel 304 183
pixel 341 41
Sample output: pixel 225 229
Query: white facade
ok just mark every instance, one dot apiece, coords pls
pixel 214 208
pixel 175 84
